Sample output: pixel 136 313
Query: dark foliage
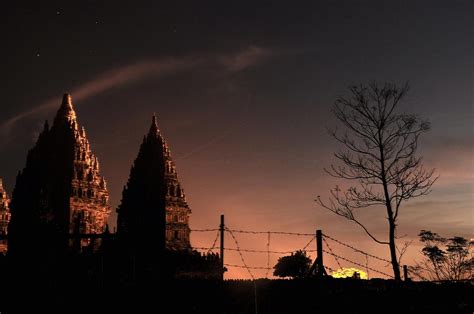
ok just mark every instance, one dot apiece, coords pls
pixel 295 265
pixel 445 258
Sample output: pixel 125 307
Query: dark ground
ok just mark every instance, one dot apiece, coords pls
pixel 273 296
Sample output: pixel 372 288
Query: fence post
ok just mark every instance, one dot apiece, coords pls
pixel 405 273
pixel 320 271
pixel 221 227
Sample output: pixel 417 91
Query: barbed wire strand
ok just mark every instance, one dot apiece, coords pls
pixel 268 255
pixel 272 232
pixel 358 264
pixel 203 230
pixel 307 244
pixel 240 253
pixel 247 267
pixel 356 250
pixel 330 269
pixel 254 251
pixel 367 265
pixel 214 243
pixel 330 250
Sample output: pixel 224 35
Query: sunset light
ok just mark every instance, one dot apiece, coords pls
pixel 349 273
pixel 260 157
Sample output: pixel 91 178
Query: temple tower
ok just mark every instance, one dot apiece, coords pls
pixel 154 207
pixel 60 191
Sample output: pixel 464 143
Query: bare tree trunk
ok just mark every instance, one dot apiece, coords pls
pixel 393 251
pixel 390 215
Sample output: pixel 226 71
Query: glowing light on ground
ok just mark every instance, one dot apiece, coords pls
pixel 349 273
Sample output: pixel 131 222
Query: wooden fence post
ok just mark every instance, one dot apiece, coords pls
pixel 405 273
pixel 222 226
pixel 320 271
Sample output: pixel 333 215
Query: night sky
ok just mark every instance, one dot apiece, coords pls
pixel 243 95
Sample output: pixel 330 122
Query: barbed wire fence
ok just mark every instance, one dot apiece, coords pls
pixel 365 255
pixel 329 249
pixel 241 251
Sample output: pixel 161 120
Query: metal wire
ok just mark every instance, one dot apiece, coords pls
pixel 203 230
pixel 329 268
pixel 330 250
pixel 268 255
pixel 254 251
pixel 307 244
pixel 214 243
pixel 246 267
pixel 358 264
pixel 240 253
pixel 367 265
pixel 356 250
pixel 272 232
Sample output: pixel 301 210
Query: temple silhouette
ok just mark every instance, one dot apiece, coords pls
pixel 153 197
pixel 60 206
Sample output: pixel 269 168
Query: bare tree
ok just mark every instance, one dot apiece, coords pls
pixel 379 153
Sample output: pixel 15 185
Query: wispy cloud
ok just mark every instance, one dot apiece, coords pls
pixel 141 70
pixel 244 59
pixel 108 80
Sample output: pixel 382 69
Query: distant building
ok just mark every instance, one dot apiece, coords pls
pixel 154 206
pixel 59 192
pixel 4 217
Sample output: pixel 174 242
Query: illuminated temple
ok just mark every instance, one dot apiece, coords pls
pixel 60 191
pixel 60 206
pixel 4 216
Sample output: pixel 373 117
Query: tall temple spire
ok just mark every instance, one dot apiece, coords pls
pixel 60 190
pixel 66 110
pixel 154 130
pixel 153 196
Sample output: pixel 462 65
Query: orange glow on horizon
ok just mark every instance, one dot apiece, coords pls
pixel 349 273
